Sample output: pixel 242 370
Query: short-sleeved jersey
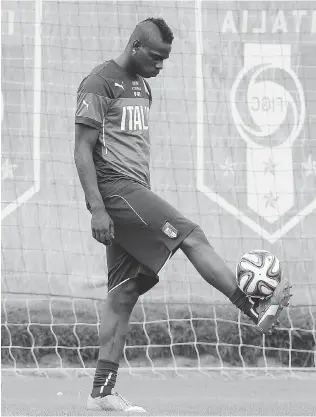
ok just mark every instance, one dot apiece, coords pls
pixel 116 104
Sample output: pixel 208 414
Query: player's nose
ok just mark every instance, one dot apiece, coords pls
pixel 159 66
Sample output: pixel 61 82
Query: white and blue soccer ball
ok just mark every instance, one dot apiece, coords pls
pixel 258 273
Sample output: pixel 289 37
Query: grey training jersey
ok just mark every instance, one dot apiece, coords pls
pixel 116 104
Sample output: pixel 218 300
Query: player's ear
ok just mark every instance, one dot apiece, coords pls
pixel 136 45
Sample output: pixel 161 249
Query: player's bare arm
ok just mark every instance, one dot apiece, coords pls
pixel 101 224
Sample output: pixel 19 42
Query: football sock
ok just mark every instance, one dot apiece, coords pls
pixel 104 378
pixel 246 304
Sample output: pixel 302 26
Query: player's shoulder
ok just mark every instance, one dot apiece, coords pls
pixel 115 77
pixel 98 81
pixel 106 71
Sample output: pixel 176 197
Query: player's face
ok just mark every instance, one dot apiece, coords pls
pixel 149 58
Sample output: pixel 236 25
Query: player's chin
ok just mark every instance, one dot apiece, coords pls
pixel 151 74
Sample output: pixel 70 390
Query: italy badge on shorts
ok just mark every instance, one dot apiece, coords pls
pixel 170 231
pixel 257 111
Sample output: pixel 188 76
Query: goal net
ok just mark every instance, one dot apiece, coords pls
pixel 233 148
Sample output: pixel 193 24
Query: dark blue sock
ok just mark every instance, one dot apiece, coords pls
pixel 246 304
pixel 104 378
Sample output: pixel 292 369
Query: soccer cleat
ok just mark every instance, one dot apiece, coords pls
pixel 269 309
pixel 113 402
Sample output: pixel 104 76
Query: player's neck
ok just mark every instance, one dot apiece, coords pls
pixel 124 62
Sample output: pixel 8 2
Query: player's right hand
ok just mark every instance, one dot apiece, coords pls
pixel 102 227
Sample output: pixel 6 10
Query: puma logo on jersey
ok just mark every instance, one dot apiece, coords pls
pixel 85 103
pixel 119 85
pixel 135 118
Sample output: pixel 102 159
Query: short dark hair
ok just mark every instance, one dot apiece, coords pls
pixel 165 31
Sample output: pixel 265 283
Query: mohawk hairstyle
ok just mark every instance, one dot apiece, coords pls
pixel 166 32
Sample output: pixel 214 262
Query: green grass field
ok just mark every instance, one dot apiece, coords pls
pixel 190 393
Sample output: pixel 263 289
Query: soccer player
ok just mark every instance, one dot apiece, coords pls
pixel 141 230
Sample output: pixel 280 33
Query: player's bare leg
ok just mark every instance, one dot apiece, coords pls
pixel 116 313
pixel 208 263
pixel 215 271
pixel 113 330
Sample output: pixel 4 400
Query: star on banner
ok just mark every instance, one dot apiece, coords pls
pixel 269 167
pixel 309 167
pixel 271 199
pixel 228 167
pixel 7 170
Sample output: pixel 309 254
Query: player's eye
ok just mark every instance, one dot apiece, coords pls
pixel 156 57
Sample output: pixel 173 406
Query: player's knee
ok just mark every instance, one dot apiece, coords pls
pixel 124 297
pixel 195 238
